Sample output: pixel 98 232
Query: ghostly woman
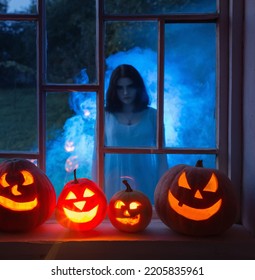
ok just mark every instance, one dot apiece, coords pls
pixel 130 122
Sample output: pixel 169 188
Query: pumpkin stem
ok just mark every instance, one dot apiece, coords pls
pixel 75 177
pixel 129 189
pixel 199 163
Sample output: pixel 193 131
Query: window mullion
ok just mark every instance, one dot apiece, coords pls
pixel 222 85
pixel 41 76
pixel 160 95
pixel 100 93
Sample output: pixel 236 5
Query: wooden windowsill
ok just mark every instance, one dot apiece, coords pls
pixel 52 241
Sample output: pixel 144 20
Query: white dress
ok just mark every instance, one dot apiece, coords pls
pixel 141 170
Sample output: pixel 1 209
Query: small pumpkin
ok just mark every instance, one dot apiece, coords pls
pixel 81 205
pixel 130 210
pixel 196 201
pixel 27 197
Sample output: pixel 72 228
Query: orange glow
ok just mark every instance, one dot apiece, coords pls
pixel 18 206
pixel 3 181
pixel 129 221
pixel 28 178
pixel 81 217
pixel 193 213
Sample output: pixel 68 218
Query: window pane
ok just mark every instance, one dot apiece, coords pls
pixel 70 136
pixel 71 41
pixel 209 161
pixel 128 37
pixel 126 44
pixel 159 7
pixel 18 6
pixel 18 115
pixel 190 85
pixel 141 170
pixel 34 161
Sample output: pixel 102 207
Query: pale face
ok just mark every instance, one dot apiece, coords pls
pixel 126 91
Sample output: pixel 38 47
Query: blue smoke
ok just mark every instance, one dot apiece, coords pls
pixel 189 105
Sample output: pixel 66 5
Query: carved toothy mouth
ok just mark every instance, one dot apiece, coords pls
pixel 130 220
pixel 193 213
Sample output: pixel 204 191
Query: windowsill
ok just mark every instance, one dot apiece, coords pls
pixel 52 241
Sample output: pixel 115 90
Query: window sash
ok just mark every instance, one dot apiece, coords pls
pixel 220 18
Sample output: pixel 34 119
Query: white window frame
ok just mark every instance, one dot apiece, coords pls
pixel 229 51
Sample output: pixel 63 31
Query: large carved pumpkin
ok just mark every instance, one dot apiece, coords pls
pixel 195 200
pixel 130 210
pixel 82 205
pixel 27 197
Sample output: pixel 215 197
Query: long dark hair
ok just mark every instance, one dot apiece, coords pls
pixel 113 104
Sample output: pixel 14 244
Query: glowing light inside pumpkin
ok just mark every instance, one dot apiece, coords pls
pixel 28 178
pixel 3 181
pixel 14 205
pixel 134 205
pixel 118 204
pixel 81 217
pixel 192 213
pixel 18 206
pixel 129 221
pixel 84 216
pixel 15 190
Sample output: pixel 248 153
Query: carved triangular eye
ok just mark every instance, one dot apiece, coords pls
pixel 28 178
pixel 88 193
pixel 3 181
pixel 71 195
pixel 212 185
pixel 183 182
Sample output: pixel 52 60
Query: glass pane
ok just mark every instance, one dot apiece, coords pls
pixel 34 161
pixel 70 130
pixel 134 7
pixel 190 85
pixel 18 114
pixel 71 41
pixel 18 6
pixel 131 107
pixel 141 170
pixel 209 161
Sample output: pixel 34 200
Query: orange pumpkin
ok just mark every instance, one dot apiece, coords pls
pixel 195 200
pixel 27 197
pixel 81 205
pixel 130 210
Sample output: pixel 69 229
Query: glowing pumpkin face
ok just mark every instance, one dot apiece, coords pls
pixel 201 196
pixel 196 200
pixel 81 205
pixel 25 178
pixel 130 210
pixel 27 198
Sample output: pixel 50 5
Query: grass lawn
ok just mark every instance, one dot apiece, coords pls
pixel 18 118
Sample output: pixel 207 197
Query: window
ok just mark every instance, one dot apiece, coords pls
pixel 67 51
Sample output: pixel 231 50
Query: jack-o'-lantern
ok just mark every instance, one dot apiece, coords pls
pixel 130 210
pixel 82 205
pixel 27 197
pixel 195 200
